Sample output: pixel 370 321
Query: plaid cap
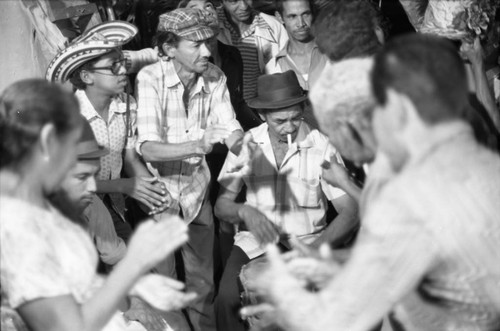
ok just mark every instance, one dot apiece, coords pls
pixel 190 24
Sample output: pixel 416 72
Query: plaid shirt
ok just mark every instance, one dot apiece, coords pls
pixel 292 196
pixel 162 117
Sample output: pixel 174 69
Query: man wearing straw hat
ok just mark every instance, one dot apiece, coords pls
pixel 280 164
pixel 184 110
pixel 95 66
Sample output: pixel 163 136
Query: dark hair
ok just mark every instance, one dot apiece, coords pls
pixel 279 6
pixel 165 37
pixel 25 107
pixel 346 28
pixel 75 77
pixel 428 70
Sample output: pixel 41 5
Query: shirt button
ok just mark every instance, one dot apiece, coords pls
pixel 187 131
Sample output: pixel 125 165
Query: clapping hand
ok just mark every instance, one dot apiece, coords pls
pixel 162 292
pixel 154 241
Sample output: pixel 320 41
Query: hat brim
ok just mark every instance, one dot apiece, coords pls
pixel 75 55
pixel 95 154
pixel 197 33
pixel 260 104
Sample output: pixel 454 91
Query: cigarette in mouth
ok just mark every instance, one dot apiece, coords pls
pixel 289 138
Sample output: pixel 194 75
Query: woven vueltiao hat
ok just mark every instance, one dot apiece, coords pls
pixel 87 147
pixel 278 91
pixel 114 30
pixel 97 41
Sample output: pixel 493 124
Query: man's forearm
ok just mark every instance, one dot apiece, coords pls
pixel 342 226
pixel 133 165
pixel 111 186
pixel 153 151
pixel 228 210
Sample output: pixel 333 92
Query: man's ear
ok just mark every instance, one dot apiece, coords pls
pixel 86 77
pixel 262 116
pixel 399 105
pixel 278 17
pixel 169 50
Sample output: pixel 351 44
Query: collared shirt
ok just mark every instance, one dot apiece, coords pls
pixel 292 196
pixel 283 62
pixel 162 117
pixel 430 243
pixel 112 132
pixel 257 45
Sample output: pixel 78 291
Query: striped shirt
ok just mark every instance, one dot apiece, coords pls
pixel 259 43
pixel 292 196
pixel 162 117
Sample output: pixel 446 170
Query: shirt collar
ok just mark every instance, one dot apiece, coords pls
pixel 172 79
pixel 117 105
pixel 262 29
pixel 303 140
pixel 284 51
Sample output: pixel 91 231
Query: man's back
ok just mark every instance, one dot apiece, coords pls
pixel 451 195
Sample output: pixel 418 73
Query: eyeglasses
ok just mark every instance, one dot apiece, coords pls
pixel 115 67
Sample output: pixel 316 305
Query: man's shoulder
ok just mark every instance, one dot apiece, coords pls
pixel 259 132
pixel 270 20
pixel 152 70
pixel 318 138
pixel 213 73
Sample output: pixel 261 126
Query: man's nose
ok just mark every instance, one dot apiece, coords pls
pixel 302 22
pixel 205 50
pixel 290 127
pixel 91 185
pixel 244 4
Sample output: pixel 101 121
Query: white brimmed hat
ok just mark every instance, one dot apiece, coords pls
pixel 114 31
pixel 96 42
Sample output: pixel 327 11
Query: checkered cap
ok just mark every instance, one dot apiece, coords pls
pixel 190 24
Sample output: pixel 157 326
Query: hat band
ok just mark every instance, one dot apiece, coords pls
pixel 87 147
pixel 280 94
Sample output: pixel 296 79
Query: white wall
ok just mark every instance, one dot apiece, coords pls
pixel 20 53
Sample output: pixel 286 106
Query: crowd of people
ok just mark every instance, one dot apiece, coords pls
pixel 302 171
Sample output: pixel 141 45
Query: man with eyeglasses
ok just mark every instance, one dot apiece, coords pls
pixel 280 165
pixel 95 65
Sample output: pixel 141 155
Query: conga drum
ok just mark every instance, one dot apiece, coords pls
pixel 248 296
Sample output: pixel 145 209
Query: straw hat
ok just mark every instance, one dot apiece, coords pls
pixel 97 41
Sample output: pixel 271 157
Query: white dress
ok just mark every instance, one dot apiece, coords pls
pixel 43 255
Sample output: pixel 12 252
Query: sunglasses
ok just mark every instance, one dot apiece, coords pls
pixel 115 67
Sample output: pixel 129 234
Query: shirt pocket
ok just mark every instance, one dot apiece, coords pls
pixel 305 193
